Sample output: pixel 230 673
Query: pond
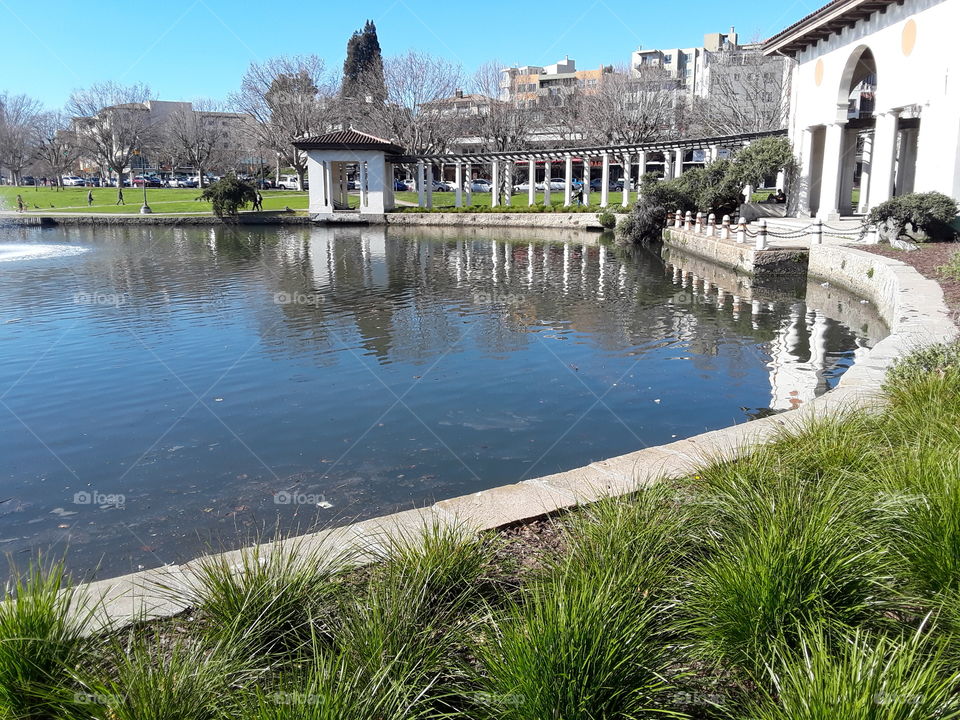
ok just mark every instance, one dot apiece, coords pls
pixel 167 389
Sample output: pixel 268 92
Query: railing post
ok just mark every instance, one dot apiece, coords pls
pixel 873 235
pixel 818 232
pixel 678 219
pixel 688 221
pixel 670 219
pixel 742 230
pixel 698 228
pixel 725 228
pixel 711 225
pixel 762 235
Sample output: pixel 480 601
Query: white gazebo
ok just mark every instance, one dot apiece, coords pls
pixel 875 103
pixel 337 160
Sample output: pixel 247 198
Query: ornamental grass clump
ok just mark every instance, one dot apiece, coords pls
pixel 270 599
pixel 42 639
pixel 860 677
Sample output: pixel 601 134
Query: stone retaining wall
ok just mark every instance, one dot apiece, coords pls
pixel 742 257
pixel 582 221
pixel 53 220
pixel 911 305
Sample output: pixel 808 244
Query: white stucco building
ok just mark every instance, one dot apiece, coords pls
pixel 875 102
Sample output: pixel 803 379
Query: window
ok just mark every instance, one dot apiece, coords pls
pixel 668 58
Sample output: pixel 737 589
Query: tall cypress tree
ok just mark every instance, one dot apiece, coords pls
pixel 363 66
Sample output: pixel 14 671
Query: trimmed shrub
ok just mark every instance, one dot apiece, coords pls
pixel 228 195
pixel 607 219
pixel 918 216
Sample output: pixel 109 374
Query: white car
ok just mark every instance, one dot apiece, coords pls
pixel 73 181
pixel 480 185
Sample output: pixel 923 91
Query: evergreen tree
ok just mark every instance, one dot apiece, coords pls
pixel 363 66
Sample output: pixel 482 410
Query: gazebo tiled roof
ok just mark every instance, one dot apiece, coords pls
pixel 349 139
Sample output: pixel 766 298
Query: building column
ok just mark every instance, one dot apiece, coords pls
pixel 830 178
pixel 458 179
pixel 495 183
pixel 469 188
pixel 429 185
pixel 866 159
pixel 882 160
pixel 531 182
pixel 605 181
pixel 806 172
pixel 546 182
pixel 848 168
pixel 626 179
pixel 678 163
pixel 567 181
pixel 421 191
pixel 586 180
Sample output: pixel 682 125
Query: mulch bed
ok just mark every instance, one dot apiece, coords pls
pixel 927 261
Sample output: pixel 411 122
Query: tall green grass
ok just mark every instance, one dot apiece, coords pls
pixel 271 599
pixel 41 640
pixel 863 677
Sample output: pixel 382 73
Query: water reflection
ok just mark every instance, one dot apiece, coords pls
pixel 202 373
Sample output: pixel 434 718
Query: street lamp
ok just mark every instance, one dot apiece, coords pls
pixel 144 209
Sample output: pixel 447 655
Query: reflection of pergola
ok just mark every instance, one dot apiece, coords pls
pixel 330 154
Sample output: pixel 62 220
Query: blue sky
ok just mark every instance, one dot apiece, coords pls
pixel 186 49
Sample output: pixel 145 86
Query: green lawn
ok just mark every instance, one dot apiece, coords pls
pixel 161 200
pixel 448 199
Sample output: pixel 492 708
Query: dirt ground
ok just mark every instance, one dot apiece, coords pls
pixel 927 260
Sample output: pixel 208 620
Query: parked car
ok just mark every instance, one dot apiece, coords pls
pixel 147 180
pixel 410 184
pixel 289 182
pixel 480 185
pixel 441 186
pixel 68 181
pixel 264 184
pixel 399 184
pixel 28 180
pixel 557 184
pixel 597 183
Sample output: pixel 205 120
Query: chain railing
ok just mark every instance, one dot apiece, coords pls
pixel 816 230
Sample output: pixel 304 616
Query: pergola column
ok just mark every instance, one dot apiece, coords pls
pixel 641 169
pixel 429 184
pixel 605 181
pixel 626 179
pixel 508 167
pixel 678 163
pixel 567 181
pixel 495 183
pixel 531 182
pixel 586 180
pixel 714 153
pixel 458 179
pixel 882 162
pixel 469 188
pixel 421 191
pixel 667 165
pixel 830 178
pixel 546 182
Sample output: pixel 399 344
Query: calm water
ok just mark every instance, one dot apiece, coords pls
pixel 162 387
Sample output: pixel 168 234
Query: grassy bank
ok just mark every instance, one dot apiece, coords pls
pixel 44 200
pixel 818 578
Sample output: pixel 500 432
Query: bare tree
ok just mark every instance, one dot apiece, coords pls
pixel 113 125
pixel 410 116
pixel 286 96
pixel 622 109
pixel 746 92
pixel 501 125
pixel 18 116
pixel 57 149
pixel 199 137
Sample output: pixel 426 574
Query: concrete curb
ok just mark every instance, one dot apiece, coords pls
pixel 912 306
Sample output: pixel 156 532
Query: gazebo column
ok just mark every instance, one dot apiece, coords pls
pixel 364 192
pixel 421 191
pixel 495 183
pixel 546 182
pixel 864 204
pixel 586 180
pixel 429 185
pixel 567 181
pixel 469 187
pixel 458 179
pixel 626 180
pixel 678 163
pixel 605 181
pixel 532 182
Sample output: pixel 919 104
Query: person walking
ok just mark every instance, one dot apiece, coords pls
pixel 258 202
pixel 20 206
pixel 120 194
pixel 89 198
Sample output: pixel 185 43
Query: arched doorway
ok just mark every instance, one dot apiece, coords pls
pixel 858 88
